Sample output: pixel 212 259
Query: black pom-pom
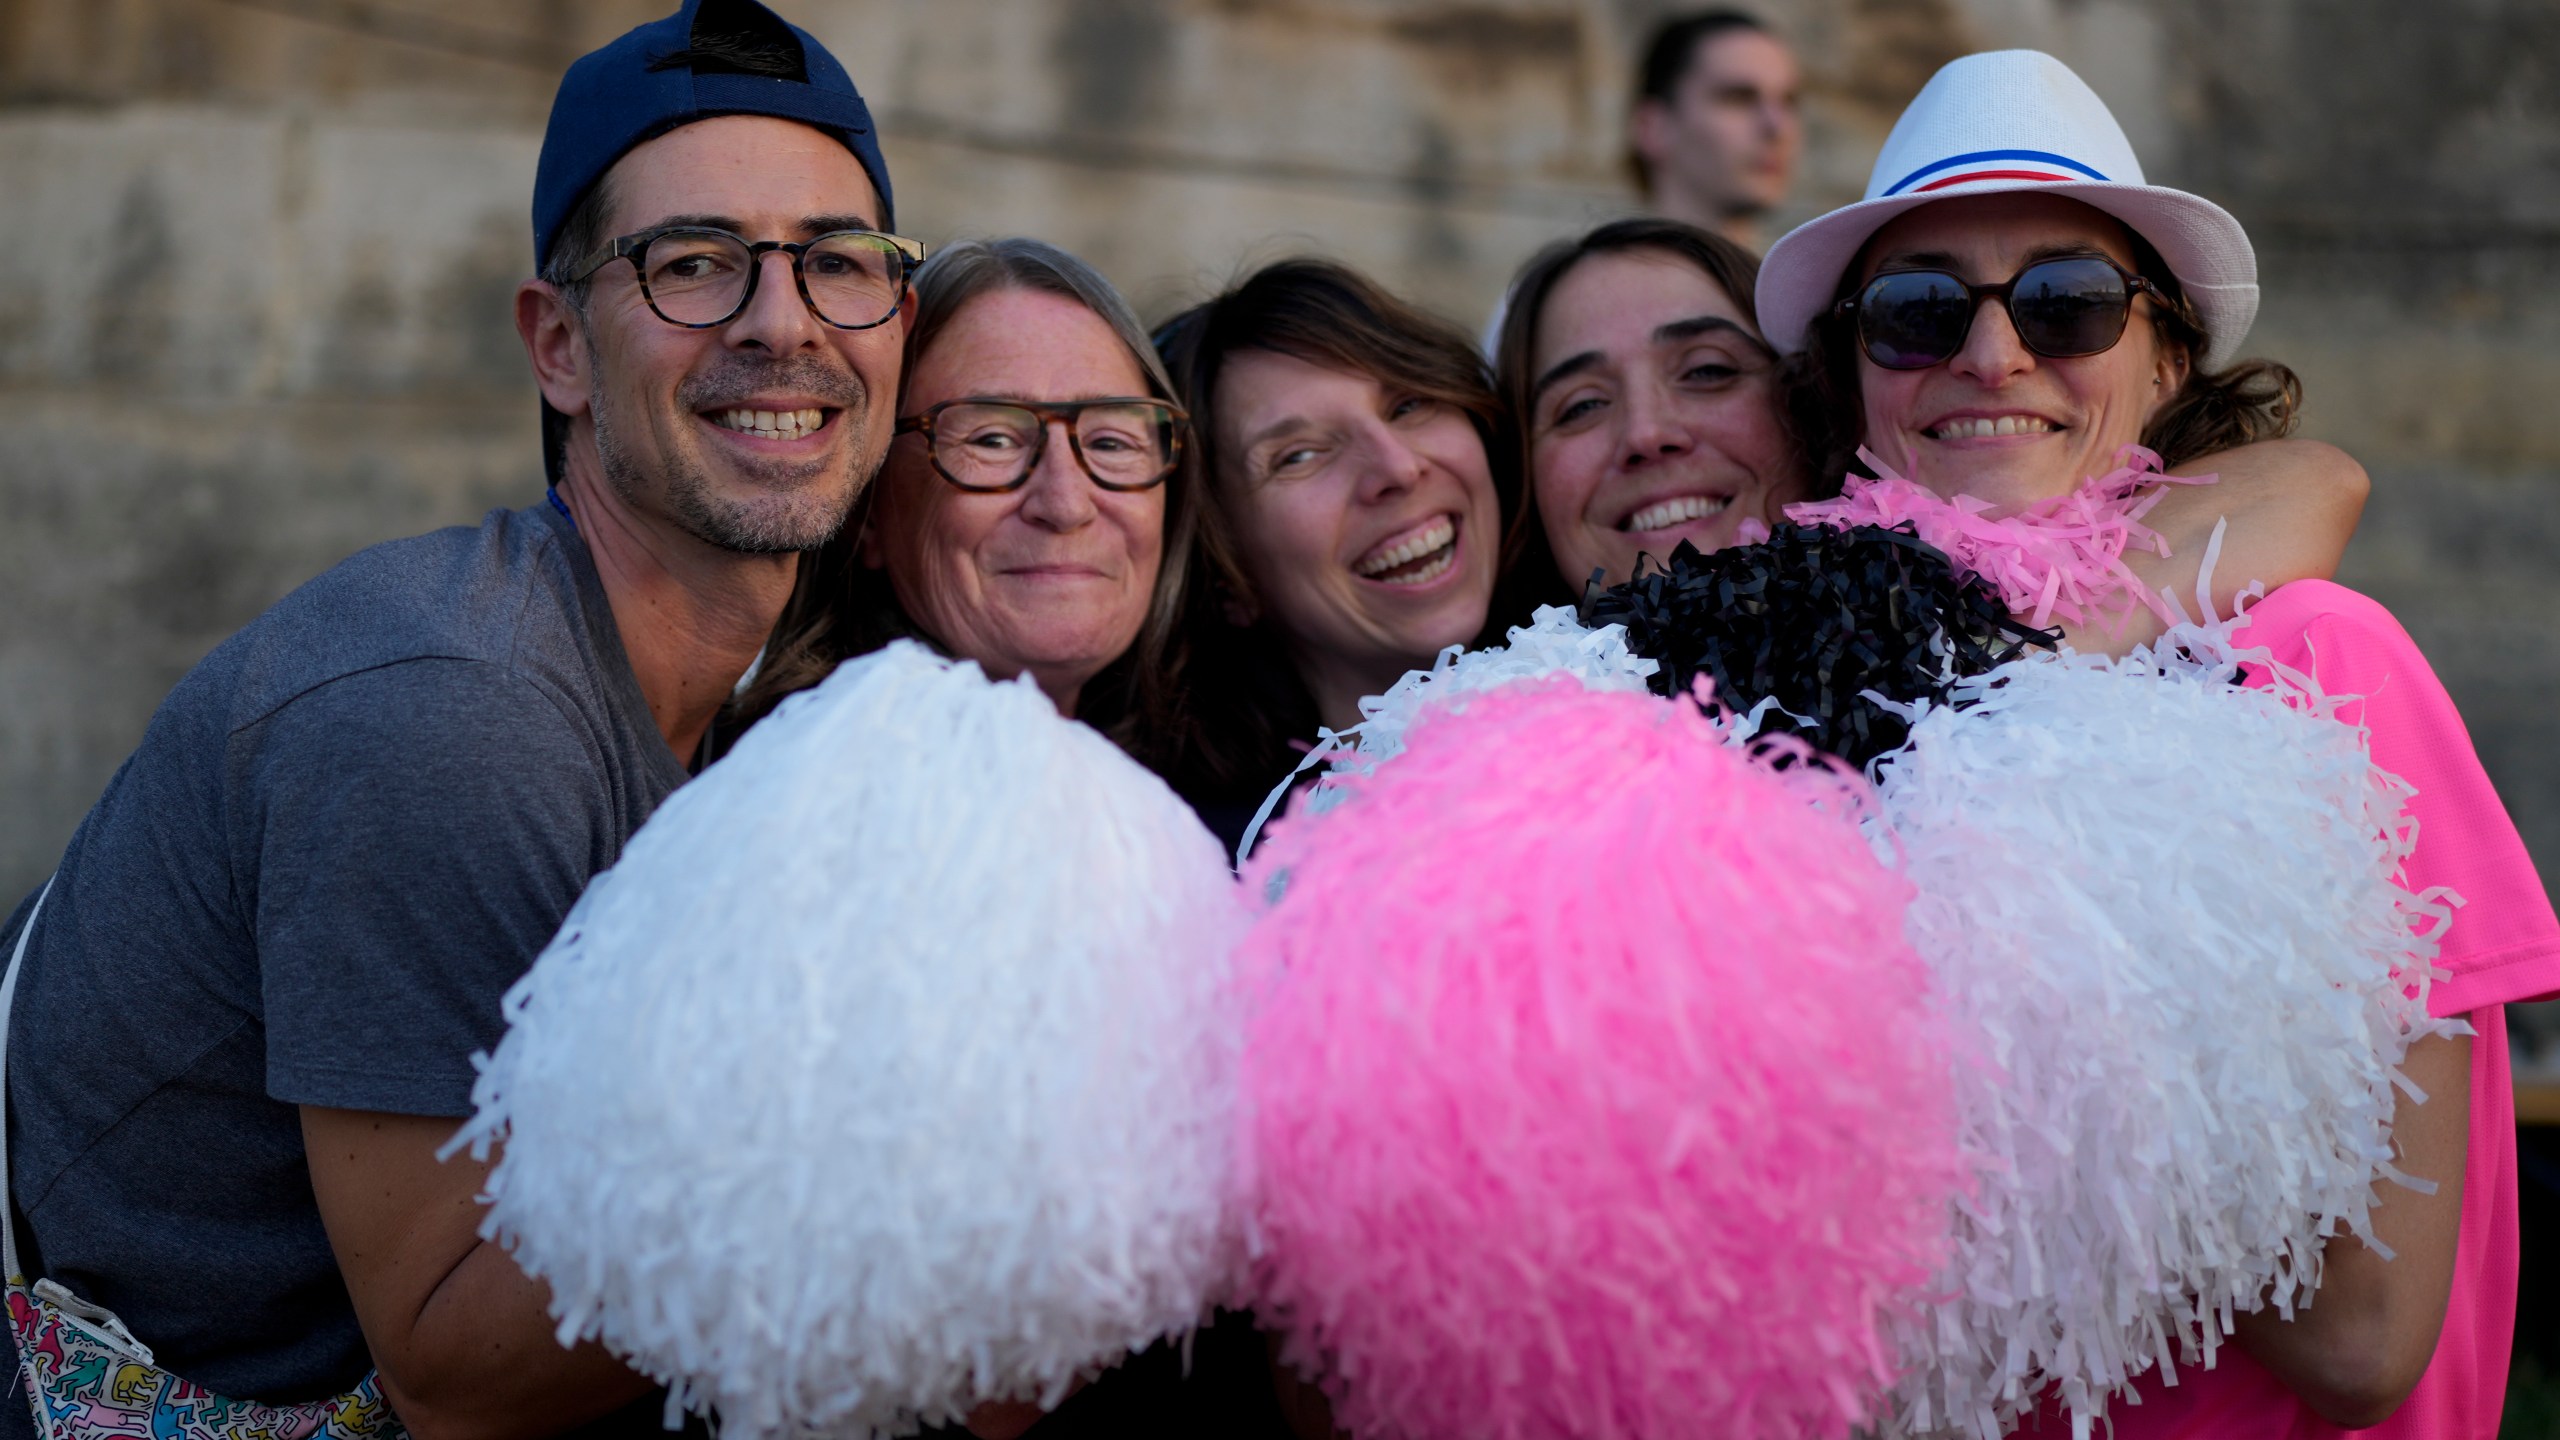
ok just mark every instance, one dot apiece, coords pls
pixel 1814 617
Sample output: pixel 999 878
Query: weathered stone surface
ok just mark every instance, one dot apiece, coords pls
pixel 256 315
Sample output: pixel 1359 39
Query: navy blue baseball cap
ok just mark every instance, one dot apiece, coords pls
pixel 684 68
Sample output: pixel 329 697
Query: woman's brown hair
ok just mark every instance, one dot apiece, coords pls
pixel 1245 702
pixel 2241 404
pixel 1529 575
pixel 840 608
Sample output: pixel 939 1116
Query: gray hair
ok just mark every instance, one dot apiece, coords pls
pixel 967 269
pixel 1149 675
pixel 839 608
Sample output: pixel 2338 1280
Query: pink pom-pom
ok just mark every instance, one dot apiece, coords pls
pixel 2063 556
pixel 1590 1088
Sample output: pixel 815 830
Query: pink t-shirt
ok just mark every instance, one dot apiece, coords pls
pixel 2503 945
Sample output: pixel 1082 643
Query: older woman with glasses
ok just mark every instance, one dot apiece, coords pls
pixel 1022 519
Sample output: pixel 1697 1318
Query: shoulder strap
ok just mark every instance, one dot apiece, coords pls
pixel 8 994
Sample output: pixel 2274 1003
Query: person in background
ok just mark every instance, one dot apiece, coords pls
pixel 1715 132
pixel 250 995
pixel 1352 515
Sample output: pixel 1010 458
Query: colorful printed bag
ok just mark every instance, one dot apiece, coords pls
pixel 89 1379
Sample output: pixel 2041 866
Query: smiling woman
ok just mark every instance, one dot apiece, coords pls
pixel 1033 515
pixel 2076 280
pixel 1351 515
pixel 1645 397
pixel 1023 517
pixel 1999 334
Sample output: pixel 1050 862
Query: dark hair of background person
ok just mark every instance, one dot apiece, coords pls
pixel 840 607
pixel 2248 401
pixel 1529 575
pixel 1245 702
pixel 579 236
pixel 1668 57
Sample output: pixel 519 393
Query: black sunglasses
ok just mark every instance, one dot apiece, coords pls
pixel 2062 308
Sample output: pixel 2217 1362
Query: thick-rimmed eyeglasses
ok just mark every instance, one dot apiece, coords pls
pixel 990 444
pixel 2062 308
pixel 700 278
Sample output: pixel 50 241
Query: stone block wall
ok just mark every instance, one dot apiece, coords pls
pixel 256 315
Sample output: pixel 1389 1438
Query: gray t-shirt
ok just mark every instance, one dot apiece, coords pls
pixel 345 834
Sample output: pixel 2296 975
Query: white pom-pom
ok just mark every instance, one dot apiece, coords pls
pixel 1552 643
pixel 891 1070
pixel 2165 905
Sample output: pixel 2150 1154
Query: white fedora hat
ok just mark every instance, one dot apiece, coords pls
pixel 2016 120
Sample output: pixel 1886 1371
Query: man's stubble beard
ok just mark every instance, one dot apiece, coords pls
pixel 796 515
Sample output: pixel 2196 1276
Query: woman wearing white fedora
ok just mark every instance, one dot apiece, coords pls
pixel 2008 309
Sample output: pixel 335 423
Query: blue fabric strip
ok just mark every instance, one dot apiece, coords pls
pixel 1952 161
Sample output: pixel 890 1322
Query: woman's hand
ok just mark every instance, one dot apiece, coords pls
pixel 2365 1340
pixel 2292 507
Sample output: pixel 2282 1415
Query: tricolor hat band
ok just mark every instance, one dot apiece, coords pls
pixel 2014 120
pixel 1983 157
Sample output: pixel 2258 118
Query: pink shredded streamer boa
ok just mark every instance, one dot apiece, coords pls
pixel 1591 1089
pixel 2060 557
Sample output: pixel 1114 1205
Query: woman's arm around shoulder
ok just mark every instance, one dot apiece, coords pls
pixel 2292 507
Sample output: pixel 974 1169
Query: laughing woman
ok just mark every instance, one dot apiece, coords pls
pixel 1351 515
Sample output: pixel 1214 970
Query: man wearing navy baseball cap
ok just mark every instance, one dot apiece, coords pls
pixel 246 1003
